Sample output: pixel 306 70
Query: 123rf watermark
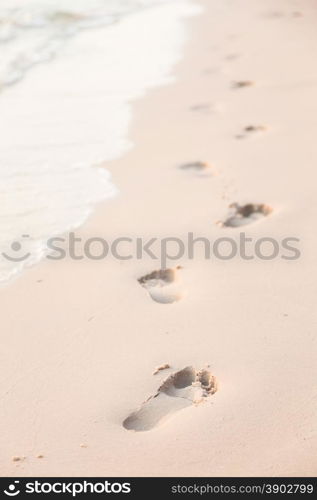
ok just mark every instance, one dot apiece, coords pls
pixel 162 250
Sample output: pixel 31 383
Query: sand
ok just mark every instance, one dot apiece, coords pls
pixel 81 339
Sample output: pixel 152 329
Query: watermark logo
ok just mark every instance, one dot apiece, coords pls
pixel 163 250
pixel 12 489
pixel 15 251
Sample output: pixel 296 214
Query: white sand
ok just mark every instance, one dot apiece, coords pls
pixel 80 346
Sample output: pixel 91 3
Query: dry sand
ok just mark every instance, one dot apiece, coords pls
pixel 80 339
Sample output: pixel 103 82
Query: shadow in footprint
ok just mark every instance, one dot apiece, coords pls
pixel 200 168
pixel 251 130
pixel 242 84
pixel 181 389
pixel 246 214
pixel 201 108
pixel 163 285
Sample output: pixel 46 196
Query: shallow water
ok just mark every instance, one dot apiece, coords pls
pixel 69 70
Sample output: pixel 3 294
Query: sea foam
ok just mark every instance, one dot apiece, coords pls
pixel 68 74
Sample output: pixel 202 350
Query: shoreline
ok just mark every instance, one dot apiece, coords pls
pixel 82 341
pixel 61 123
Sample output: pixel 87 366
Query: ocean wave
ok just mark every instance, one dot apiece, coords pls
pixel 62 121
pixel 32 33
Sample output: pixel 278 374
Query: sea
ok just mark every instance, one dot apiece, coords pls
pixel 70 71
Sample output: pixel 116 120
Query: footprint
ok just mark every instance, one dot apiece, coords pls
pixel 242 83
pixel 207 107
pixel 181 389
pixel 200 107
pixel 163 285
pixel 250 130
pixel 201 168
pixel 279 14
pixel 275 14
pixel 232 57
pixel 246 214
pixel 195 165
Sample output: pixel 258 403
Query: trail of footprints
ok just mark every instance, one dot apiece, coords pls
pixel 188 386
pixel 165 285
pixel 181 389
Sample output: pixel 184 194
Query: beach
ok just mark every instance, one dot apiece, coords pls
pixel 82 337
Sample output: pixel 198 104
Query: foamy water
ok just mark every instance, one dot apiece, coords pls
pixel 69 70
